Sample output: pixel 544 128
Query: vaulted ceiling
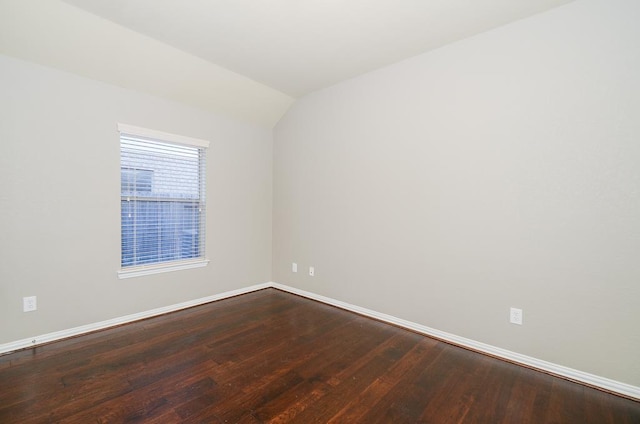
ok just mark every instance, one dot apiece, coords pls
pixel 246 58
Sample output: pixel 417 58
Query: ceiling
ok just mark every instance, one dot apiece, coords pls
pixel 248 58
pixel 298 46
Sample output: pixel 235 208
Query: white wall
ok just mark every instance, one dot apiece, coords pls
pixel 503 170
pixel 60 201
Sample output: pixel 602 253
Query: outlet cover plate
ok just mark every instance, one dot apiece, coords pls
pixel 515 316
pixel 29 304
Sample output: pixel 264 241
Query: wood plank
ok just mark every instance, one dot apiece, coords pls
pixel 273 357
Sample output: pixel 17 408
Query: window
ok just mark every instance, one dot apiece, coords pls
pixel 135 180
pixel 162 201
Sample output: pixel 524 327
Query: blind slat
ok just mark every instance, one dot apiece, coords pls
pixel 162 201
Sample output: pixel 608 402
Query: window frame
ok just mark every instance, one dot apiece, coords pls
pixel 167 266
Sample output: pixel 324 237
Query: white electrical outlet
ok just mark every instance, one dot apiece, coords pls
pixel 29 304
pixel 294 267
pixel 312 271
pixel 515 316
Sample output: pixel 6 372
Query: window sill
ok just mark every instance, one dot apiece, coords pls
pixel 140 271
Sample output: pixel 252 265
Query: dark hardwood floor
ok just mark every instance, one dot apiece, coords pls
pixel 272 357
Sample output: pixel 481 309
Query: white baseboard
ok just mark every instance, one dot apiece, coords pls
pixel 603 383
pixel 83 329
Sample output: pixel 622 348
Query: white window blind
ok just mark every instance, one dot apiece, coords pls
pixel 162 199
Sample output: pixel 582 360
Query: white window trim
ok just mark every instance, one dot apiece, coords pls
pixel 142 270
pixel 159 135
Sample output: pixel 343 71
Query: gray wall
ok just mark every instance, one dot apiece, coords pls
pixel 60 201
pixel 503 170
